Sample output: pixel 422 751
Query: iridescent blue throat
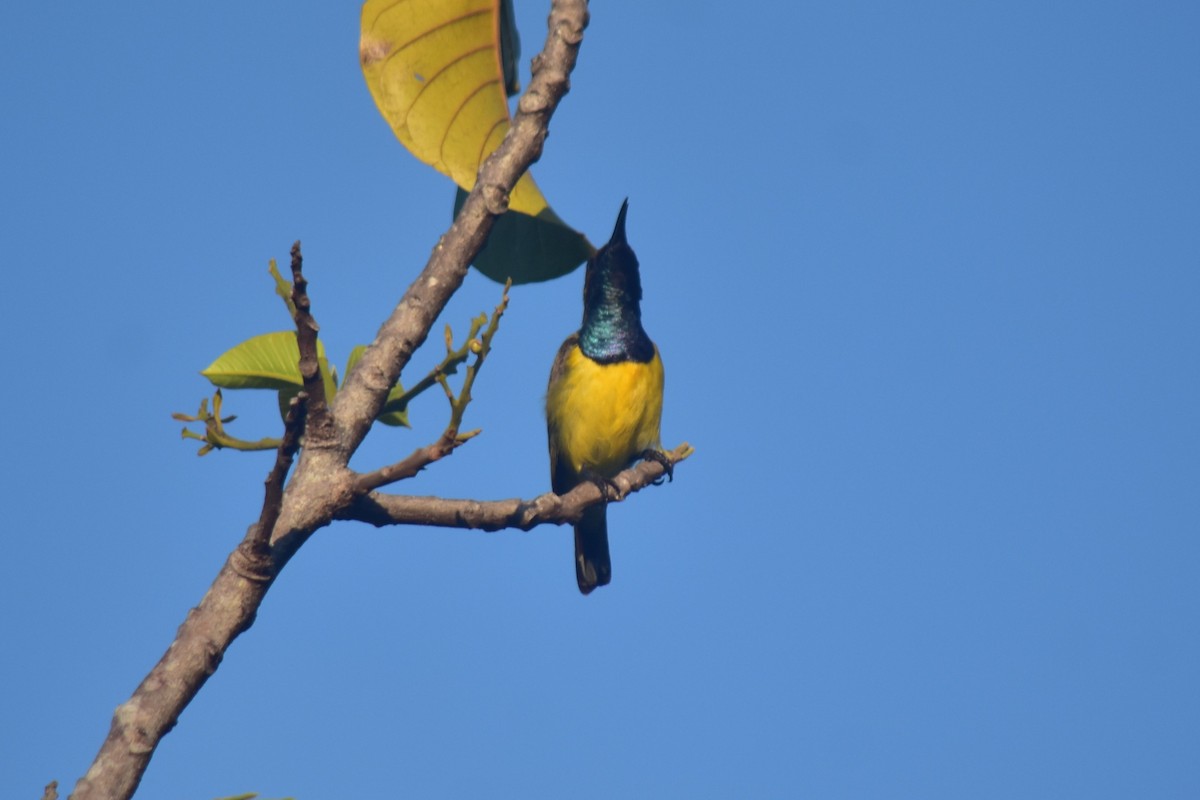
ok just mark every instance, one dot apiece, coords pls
pixel 612 314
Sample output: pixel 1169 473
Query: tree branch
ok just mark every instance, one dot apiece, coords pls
pixel 227 609
pixel 408 467
pixel 380 509
pixel 362 396
pixel 450 439
pixel 322 484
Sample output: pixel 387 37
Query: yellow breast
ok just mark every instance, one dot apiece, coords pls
pixel 602 416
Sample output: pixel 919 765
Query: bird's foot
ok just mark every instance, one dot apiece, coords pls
pixel 609 491
pixel 660 457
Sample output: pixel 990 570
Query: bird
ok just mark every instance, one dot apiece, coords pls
pixel 605 396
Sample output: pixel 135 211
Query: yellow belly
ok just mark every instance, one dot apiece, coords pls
pixel 602 416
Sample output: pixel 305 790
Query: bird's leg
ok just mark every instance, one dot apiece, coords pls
pixel 608 490
pixel 660 457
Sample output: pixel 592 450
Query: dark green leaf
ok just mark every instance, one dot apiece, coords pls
pixel 510 48
pixel 529 249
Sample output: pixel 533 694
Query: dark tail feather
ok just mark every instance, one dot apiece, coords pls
pixel 592 565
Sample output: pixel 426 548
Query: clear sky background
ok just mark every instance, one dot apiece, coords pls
pixel 926 281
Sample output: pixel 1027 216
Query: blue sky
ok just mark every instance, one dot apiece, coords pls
pixel 925 280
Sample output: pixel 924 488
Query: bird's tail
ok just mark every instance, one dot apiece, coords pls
pixel 592 565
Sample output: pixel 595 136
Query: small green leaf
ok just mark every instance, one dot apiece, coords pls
pixel 269 361
pixel 355 355
pixel 283 287
pixel 529 249
pixel 395 413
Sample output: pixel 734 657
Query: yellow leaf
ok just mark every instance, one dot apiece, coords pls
pixel 434 70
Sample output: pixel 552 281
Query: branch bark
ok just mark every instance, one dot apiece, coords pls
pixel 318 424
pixel 322 483
pixel 381 509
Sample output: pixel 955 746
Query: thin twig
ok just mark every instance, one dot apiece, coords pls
pixel 408 467
pixel 451 438
pixel 293 429
pixel 459 405
pixel 214 436
pixel 319 423
pixel 447 366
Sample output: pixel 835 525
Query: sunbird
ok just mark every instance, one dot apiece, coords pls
pixel 604 400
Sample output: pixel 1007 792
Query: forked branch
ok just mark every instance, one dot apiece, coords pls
pixel 322 484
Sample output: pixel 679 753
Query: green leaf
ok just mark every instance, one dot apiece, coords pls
pixel 269 361
pixel 529 249
pixel 283 287
pixel 355 355
pixel 394 413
